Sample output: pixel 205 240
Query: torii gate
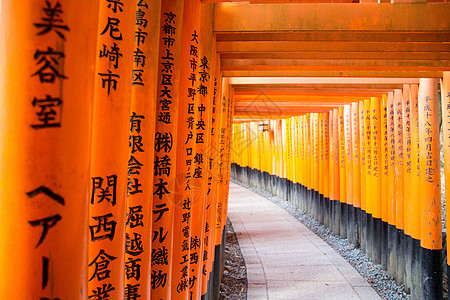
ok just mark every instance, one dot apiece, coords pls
pixel 117 124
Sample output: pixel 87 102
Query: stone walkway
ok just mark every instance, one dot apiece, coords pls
pixel 285 260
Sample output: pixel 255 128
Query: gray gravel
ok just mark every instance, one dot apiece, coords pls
pixel 234 280
pixel 384 284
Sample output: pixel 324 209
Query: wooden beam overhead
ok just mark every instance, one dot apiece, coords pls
pixel 337 81
pixel 325 89
pixel 324 17
pixel 393 55
pixel 333 73
pixel 288 111
pixel 300 63
pixel 336 36
pixel 281 1
pixel 291 94
pixel 265 98
pixel 327 46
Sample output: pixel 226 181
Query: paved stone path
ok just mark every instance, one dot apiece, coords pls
pixel 286 260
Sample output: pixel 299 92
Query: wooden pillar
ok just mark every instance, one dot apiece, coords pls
pixel 415 193
pixel 203 111
pixel 45 137
pixel 308 162
pixel 336 173
pixel 302 150
pixel 331 169
pixel 362 142
pixel 342 172
pixel 288 162
pixel 375 119
pixel 212 163
pixel 306 152
pixel 398 181
pixel 392 231
pixel 356 171
pixel 326 167
pixel 445 104
pixel 166 139
pixel 369 179
pixel 321 173
pixel 317 165
pixel 384 171
pixel 140 162
pixel 430 193
pixel 110 134
pixel 222 192
pixel 312 161
pixel 408 245
pixel 321 197
pixel 349 175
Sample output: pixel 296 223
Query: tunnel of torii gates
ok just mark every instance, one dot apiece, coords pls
pixel 119 121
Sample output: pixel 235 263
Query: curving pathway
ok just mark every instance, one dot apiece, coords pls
pixel 285 260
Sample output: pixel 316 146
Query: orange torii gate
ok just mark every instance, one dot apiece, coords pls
pixel 101 208
pixel 384 226
pixel 120 120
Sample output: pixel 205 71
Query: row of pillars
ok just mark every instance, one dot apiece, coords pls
pixel 369 170
pixel 115 126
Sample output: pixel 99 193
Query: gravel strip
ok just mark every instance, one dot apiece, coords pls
pixel 383 284
pixel 234 281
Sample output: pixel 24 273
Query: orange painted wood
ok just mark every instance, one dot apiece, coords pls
pixel 326 155
pixel 139 208
pixel 415 167
pixel 342 160
pixel 398 180
pixel 368 153
pixel 445 104
pixel 392 159
pixel 407 190
pixel 164 191
pixel 384 159
pixel 375 124
pixel 362 142
pixel 356 155
pixel 348 154
pixel 430 193
pixel 109 152
pixel 312 17
pixel 212 174
pixel 45 152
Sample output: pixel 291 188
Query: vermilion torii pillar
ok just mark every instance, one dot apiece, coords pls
pixel 211 193
pixel 45 69
pixel 110 137
pixel 415 193
pixel 326 166
pixel 336 172
pixel 445 99
pixel 349 174
pixel 398 182
pixel 356 161
pixel 375 124
pixel 384 171
pixel 392 231
pixel 208 99
pixel 184 242
pixel 407 186
pixel 430 192
pixel 140 163
pixel 343 188
pixel 362 153
pixel 166 137
pixel 369 182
